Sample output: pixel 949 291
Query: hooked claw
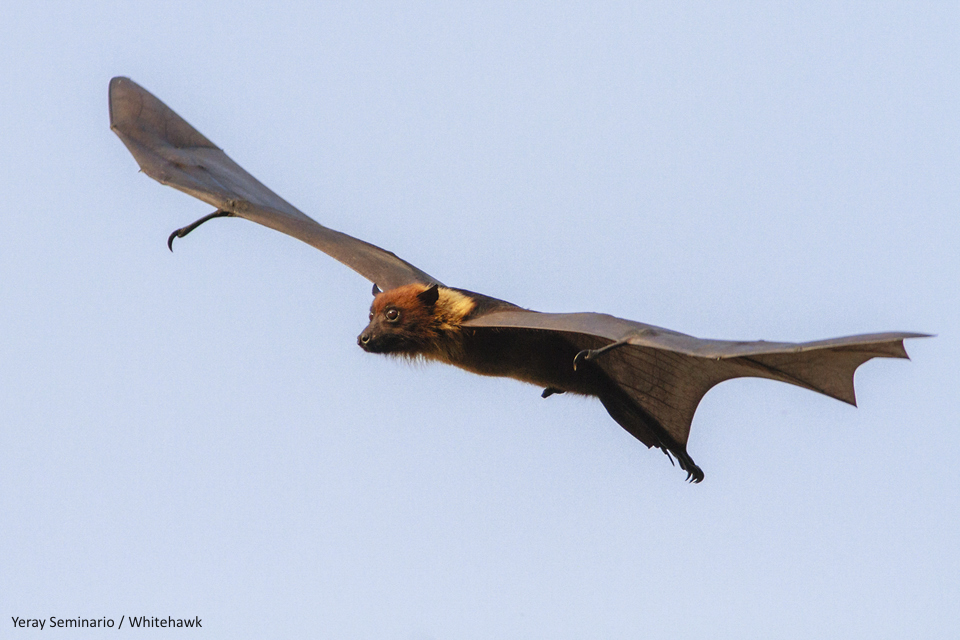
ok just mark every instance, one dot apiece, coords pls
pixel 182 231
pixel 590 354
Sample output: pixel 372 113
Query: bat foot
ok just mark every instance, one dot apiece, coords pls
pixel 182 231
pixel 549 391
pixel 694 473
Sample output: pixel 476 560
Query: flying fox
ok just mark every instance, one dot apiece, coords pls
pixel 649 379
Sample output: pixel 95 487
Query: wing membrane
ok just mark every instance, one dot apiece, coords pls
pixel 667 373
pixel 172 152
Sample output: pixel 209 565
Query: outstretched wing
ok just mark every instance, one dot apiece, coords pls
pixel 172 152
pixel 664 374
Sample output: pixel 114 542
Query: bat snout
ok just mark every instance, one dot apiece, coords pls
pixel 363 340
pixel 376 340
pixel 372 342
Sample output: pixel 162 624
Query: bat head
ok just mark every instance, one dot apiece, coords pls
pixel 403 321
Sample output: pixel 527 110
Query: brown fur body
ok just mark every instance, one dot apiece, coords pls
pixel 434 330
pixel 420 321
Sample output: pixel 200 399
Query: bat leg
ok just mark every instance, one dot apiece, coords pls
pixel 647 430
pixel 182 231
pixel 549 391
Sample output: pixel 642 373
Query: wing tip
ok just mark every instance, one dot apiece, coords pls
pixel 895 349
pixel 901 349
pixel 120 90
pixel 138 114
pixel 113 91
pixel 910 336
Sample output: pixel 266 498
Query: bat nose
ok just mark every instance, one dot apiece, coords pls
pixel 363 339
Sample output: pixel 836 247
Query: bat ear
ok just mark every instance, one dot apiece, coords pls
pixel 429 296
pixel 376 290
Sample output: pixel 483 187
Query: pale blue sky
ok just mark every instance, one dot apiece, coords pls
pixel 198 433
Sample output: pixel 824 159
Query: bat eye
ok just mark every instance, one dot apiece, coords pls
pixel 371 315
pixel 392 315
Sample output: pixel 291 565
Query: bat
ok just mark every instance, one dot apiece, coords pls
pixel 649 379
